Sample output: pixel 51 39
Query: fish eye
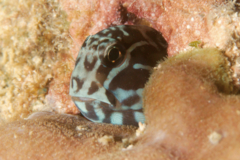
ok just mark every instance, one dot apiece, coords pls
pixel 113 54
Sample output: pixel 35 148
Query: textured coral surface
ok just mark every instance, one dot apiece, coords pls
pixel 34 39
pixel 189 109
pixel 195 119
pixel 52 136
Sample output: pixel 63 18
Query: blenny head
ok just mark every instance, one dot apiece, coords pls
pixel 111 70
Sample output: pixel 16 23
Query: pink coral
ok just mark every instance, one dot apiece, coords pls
pixel 180 23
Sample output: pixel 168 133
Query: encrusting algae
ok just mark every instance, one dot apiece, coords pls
pixel 34 36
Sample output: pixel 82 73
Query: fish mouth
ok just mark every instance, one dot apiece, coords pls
pixel 117 106
pixel 83 99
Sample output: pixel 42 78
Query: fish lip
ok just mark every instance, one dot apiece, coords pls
pixel 89 100
pixel 83 99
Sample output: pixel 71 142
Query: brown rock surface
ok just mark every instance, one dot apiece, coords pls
pixel 189 110
pixel 51 136
pixel 186 112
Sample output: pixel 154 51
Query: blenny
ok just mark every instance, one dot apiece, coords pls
pixel 111 70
